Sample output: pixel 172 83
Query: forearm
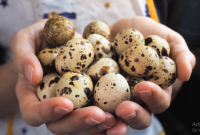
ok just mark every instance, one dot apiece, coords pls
pixel 8 78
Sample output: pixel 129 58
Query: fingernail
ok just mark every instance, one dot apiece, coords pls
pixel 102 126
pixel 145 93
pixel 130 116
pixel 28 69
pixel 91 121
pixel 60 110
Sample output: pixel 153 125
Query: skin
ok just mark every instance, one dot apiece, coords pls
pixel 57 112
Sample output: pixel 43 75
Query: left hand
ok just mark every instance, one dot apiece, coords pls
pixel 157 100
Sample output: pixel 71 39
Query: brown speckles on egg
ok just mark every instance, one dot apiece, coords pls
pixel 42 85
pixel 98 42
pixel 64 57
pixel 126 42
pixel 136 59
pixel 104 70
pixel 100 55
pixel 71 83
pixel 83 56
pixel 74 78
pixel 133 69
pixel 77 96
pixel 87 92
pixel 66 90
pixel 106 50
pixel 82 43
pixel 164 52
pixel 126 63
pixel 148 40
pixel 55 80
pixel 44 96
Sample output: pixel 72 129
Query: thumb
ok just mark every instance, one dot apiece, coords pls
pixel 24 46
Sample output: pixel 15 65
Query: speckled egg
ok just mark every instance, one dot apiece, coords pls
pixel 159 44
pixel 58 30
pixel 76 54
pixel 166 73
pixel 102 47
pixel 132 81
pixel 97 27
pixel 139 61
pixel 102 67
pixel 47 58
pixel 110 91
pixel 47 88
pixel 127 38
pixel 77 87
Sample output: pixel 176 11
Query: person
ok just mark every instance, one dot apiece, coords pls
pixel 57 112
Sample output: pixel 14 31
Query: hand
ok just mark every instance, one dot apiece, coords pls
pixel 157 100
pixel 55 112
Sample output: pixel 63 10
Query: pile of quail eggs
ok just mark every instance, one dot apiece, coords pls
pixel 93 69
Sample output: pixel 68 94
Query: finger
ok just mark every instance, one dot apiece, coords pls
pixel 134 115
pixel 79 119
pixel 156 99
pixel 35 112
pixel 107 124
pixel 182 56
pixel 120 128
pixel 24 46
pixel 78 35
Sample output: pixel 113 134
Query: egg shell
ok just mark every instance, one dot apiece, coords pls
pixel 159 44
pixel 102 47
pixel 127 38
pixel 132 81
pixel 76 86
pixel 97 27
pixel 139 61
pixel 102 67
pixel 166 73
pixel 76 54
pixel 47 58
pixel 110 91
pixel 47 88
pixel 58 30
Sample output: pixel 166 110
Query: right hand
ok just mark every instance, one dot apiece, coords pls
pixel 56 112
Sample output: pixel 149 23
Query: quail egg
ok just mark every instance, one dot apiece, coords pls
pixel 102 67
pixel 76 54
pixel 47 58
pixel 110 91
pixel 139 61
pixel 165 74
pixel 76 86
pixel 97 27
pixel 127 38
pixel 47 88
pixel 159 44
pixel 102 47
pixel 58 30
